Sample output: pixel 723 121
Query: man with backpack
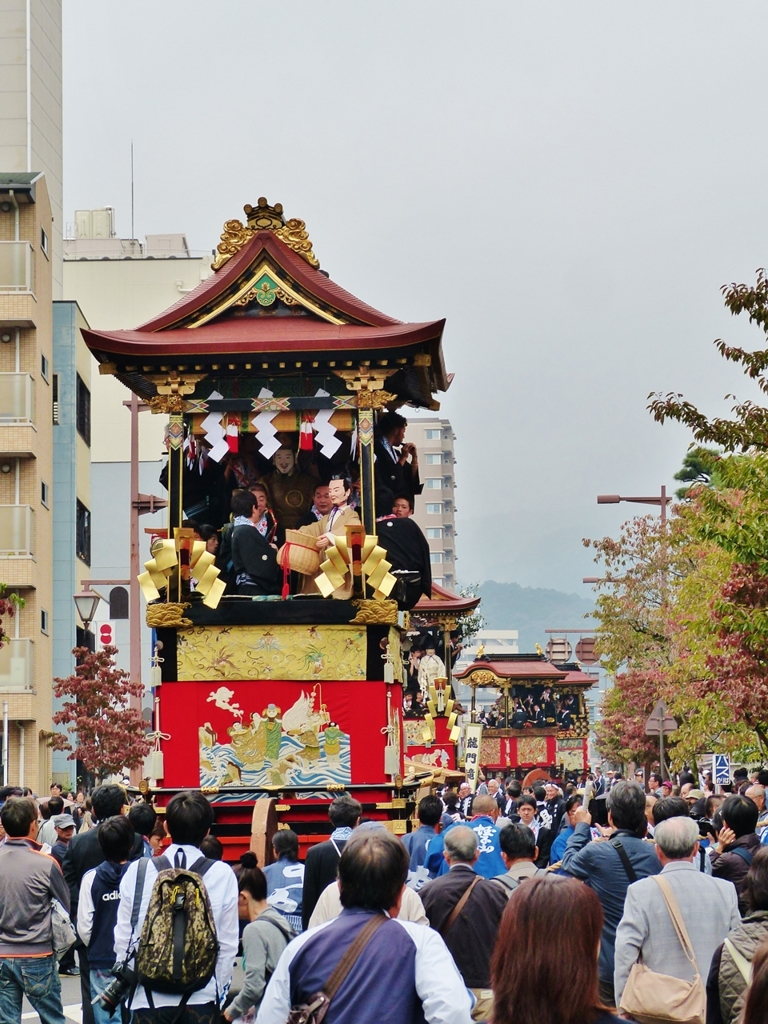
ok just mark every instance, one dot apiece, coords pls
pixel 178 915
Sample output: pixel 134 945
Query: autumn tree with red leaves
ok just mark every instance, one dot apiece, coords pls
pixel 108 734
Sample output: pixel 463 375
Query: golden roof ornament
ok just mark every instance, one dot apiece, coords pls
pixel 264 217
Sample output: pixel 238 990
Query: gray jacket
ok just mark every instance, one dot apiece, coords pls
pixel 709 908
pixel 28 881
pixel 263 943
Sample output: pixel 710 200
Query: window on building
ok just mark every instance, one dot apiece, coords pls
pixel 438 580
pixel 83 533
pixel 435 557
pixel 434 483
pixel 44 367
pixel 434 508
pixel 434 458
pixel 44 241
pixel 434 532
pixel 432 435
pixel 447 481
pixel 118 603
pixel 44 621
pixel 83 412
pixel 45 494
pixel 55 399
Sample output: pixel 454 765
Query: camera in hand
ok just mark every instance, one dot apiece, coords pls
pixel 123 981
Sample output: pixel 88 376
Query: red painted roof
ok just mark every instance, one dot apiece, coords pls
pixel 518 669
pixel 251 335
pixel 444 601
pixel 308 277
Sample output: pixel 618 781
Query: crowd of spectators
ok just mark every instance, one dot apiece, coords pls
pixel 511 904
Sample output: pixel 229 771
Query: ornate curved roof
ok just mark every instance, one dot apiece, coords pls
pixel 269 308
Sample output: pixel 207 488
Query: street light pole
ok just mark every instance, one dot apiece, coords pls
pixel 662 500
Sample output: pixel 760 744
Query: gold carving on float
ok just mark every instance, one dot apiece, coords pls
pixel 289 300
pixel 484 677
pixel 170 390
pixel 374 399
pixel 264 217
pixel 295 236
pixel 166 404
pixel 167 616
pixel 375 613
pixel 304 653
pixel 233 238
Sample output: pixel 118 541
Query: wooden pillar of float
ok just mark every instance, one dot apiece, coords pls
pixel 263 827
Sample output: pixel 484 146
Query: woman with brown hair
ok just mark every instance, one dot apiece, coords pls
pixel 544 967
pixel 757 993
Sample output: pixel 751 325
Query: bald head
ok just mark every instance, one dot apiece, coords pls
pixel 756 794
pixel 485 805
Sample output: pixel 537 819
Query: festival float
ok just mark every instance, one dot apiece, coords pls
pixel 275 704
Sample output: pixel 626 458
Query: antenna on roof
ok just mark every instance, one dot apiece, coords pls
pixel 132 231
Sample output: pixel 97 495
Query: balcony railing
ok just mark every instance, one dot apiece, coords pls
pixel 17 398
pixel 17 665
pixel 16 267
pixel 17 530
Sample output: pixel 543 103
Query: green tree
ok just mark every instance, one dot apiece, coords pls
pixel 748 429
pixel 699 469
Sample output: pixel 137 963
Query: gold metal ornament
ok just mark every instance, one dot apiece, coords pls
pixel 264 217
pixel 375 613
pixel 295 236
pixel 374 399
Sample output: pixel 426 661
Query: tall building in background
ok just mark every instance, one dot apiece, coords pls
pixel 435 507
pixel 120 283
pixel 72 543
pixel 30 111
pixel 26 470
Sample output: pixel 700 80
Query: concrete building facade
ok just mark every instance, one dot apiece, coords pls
pixel 30 114
pixel 26 470
pixel 72 511
pixel 435 510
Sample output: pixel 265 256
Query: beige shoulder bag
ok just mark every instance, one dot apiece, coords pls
pixel 653 998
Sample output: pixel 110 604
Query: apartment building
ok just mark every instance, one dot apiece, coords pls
pixel 26 470
pixel 435 507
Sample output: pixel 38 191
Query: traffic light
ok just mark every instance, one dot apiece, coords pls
pixel 105 635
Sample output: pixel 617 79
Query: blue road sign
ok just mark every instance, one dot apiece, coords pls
pixel 722 769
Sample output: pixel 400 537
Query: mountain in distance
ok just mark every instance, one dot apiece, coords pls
pixel 532 610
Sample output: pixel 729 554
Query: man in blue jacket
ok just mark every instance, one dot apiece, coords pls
pixel 485 811
pixel 610 866
pixel 430 812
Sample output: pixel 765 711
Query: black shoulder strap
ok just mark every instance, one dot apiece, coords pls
pixel 202 865
pixel 743 853
pixel 507 881
pixel 619 848
pixel 138 892
pixel 161 863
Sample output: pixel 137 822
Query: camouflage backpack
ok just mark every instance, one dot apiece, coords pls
pixel 178 948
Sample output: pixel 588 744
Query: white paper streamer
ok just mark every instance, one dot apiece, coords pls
pixel 214 432
pixel 267 436
pixel 326 433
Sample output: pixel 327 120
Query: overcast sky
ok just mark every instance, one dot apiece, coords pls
pixel 568 184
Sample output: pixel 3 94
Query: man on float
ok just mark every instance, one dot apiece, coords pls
pixel 326 530
pixel 397 462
